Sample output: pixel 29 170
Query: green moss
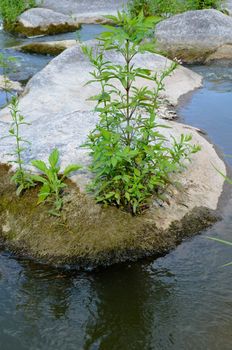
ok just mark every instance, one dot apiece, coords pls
pixel 43 49
pixel 86 233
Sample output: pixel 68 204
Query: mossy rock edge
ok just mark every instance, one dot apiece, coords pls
pixel 86 235
pixel 52 29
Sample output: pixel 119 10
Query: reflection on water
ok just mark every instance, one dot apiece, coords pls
pixel 129 302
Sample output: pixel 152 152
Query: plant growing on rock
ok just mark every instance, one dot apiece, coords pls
pixel 21 177
pixel 7 66
pixel 131 159
pixel 52 181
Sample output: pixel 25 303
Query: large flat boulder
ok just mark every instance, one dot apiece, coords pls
pixel 195 35
pixel 56 104
pixel 88 11
pixel 41 21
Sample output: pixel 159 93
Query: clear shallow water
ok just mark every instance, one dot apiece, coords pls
pixel 182 301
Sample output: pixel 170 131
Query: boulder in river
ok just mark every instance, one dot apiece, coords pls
pixel 41 21
pixel 195 35
pixel 56 104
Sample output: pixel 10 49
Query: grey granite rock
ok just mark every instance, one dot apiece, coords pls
pixel 194 35
pixel 38 21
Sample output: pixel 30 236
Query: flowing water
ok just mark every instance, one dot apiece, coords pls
pixel 182 301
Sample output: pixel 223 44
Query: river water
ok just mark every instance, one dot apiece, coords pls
pixel 182 301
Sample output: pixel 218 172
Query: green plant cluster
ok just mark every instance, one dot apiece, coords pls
pixel 11 9
pixel 131 158
pixel 166 8
pixel 52 181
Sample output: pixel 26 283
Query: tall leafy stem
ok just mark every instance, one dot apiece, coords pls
pixel 21 177
pixel 7 66
pixel 131 159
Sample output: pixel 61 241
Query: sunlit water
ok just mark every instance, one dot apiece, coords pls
pixel 182 301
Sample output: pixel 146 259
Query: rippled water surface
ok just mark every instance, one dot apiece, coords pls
pixel 182 301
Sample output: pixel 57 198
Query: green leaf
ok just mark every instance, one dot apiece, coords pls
pixel 114 162
pixel 38 178
pixel 54 158
pixel 70 168
pixel 219 240
pixel 19 190
pixel 44 193
pixel 137 172
pixel 40 165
